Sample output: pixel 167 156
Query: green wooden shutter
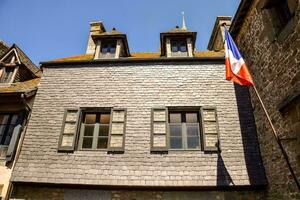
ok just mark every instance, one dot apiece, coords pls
pixel 210 129
pixel 117 130
pixel 159 138
pixel 69 130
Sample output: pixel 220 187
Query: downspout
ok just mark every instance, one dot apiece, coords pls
pixel 28 113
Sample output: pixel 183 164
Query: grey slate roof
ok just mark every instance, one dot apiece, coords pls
pixel 140 87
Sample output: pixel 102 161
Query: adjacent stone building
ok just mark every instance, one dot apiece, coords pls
pixel 268 35
pixel 19 79
pixel 111 124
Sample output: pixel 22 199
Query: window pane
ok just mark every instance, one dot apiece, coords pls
pixel 104 118
pixel 191 117
pixel 175 130
pixel 175 118
pixel 3 119
pixel 90 118
pixel 176 143
pixel 104 50
pixel 102 143
pixel 183 48
pixel 117 128
pixel 103 130
pixel 159 141
pixel 7 140
pixel 112 49
pixel 2 129
pixel 88 130
pixel 159 127
pixel 87 143
pixel 174 48
pixel 193 142
pixel 192 130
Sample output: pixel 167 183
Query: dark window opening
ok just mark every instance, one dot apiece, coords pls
pixel 108 47
pixel 6 74
pixel 7 124
pixel 178 46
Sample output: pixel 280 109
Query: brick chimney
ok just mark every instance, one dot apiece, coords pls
pixel 216 42
pixel 95 28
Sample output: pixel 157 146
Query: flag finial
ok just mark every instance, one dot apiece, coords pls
pixel 183 22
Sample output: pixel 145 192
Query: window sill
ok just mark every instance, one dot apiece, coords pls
pixel 183 150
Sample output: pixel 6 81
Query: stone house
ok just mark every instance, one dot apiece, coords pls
pixel 19 78
pixel 111 124
pixel 268 35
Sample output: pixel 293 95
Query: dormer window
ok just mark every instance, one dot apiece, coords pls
pixel 108 47
pixel 178 45
pixel 6 74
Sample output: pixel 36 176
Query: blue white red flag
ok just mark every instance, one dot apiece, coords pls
pixel 236 69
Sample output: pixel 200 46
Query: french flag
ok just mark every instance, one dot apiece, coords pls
pixel 236 69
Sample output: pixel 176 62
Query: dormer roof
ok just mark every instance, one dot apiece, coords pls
pixel 23 59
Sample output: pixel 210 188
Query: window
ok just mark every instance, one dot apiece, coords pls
pixel 94 129
pixel 108 48
pixel 7 125
pixel 184 131
pixel 178 46
pixel 6 74
pixel 184 128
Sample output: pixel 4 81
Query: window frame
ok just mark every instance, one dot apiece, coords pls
pixel 183 125
pixel 79 137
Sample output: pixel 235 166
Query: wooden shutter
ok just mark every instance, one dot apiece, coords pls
pixel 210 129
pixel 117 130
pixel 13 143
pixel 69 130
pixel 159 139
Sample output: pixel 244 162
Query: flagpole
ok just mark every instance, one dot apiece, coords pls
pixel 276 137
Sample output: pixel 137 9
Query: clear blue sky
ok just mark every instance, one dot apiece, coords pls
pixel 49 29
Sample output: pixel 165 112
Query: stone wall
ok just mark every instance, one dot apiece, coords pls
pixel 41 193
pixel 274 63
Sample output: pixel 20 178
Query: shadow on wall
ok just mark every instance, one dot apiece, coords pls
pixel 255 168
pixel 223 177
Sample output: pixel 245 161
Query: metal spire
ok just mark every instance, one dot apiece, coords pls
pixel 183 22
